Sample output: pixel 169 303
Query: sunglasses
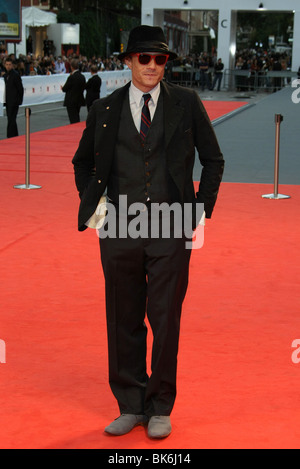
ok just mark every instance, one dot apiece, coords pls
pixel 145 59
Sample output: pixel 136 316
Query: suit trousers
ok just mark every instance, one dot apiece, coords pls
pixel 74 114
pixel 12 128
pixel 144 276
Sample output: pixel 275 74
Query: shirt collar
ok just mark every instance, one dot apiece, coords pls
pixel 136 95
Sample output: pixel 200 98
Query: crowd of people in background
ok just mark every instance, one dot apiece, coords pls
pixel 200 70
pixel 30 64
pixel 208 69
pixel 257 64
pixel 254 65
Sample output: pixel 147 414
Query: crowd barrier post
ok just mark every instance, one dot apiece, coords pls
pixel 27 184
pixel 275 195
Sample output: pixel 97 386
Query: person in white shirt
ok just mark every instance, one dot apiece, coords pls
pixel 59 66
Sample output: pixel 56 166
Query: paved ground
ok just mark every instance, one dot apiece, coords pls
pixel 247 139
pixel 43 117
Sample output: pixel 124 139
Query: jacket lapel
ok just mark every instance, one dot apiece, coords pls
pixel 112 108
pixel 109 123
pixel 173 112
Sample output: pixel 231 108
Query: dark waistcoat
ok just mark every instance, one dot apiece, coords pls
pixel 139 168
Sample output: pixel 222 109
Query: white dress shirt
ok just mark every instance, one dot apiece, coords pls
pixel 136 102
pixel 60 67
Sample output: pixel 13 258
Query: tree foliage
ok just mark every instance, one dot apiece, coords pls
pixel 265 24
pixel 101 22
pixel 131 7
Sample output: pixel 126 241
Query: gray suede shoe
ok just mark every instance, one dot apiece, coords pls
pixel 159 426
pixel 125 423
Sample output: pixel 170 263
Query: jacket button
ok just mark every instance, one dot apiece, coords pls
pixel 107 107
pixel 99 181
pixel 104 125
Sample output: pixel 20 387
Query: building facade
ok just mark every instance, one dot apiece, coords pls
pixel 153 14
pixel 43 4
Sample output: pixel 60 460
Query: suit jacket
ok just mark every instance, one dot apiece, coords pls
pixel 14 88
pixel 93 89
pixel 186 127
pixel 74 88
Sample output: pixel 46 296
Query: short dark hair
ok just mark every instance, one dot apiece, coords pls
pixel 75 64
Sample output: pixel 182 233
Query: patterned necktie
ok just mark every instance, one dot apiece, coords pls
pixel 145 118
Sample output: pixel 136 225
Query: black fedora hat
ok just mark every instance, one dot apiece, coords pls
pixel 147 39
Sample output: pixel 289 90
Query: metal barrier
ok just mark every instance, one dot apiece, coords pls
pixel 185 76
pixel 248 80
pixel 240 80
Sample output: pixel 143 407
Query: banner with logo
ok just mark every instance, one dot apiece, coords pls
pixel 43 89
pixel 10 20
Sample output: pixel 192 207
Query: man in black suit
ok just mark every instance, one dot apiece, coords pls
pixel 93 87
pixel 139 146
pixel 219 66
pixel 14 93
pixel 74 88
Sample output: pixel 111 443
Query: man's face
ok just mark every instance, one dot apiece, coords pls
pixel 8 65
pixel 145 77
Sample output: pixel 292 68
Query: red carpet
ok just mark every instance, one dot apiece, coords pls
pixel 216 109
pixel 237 384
